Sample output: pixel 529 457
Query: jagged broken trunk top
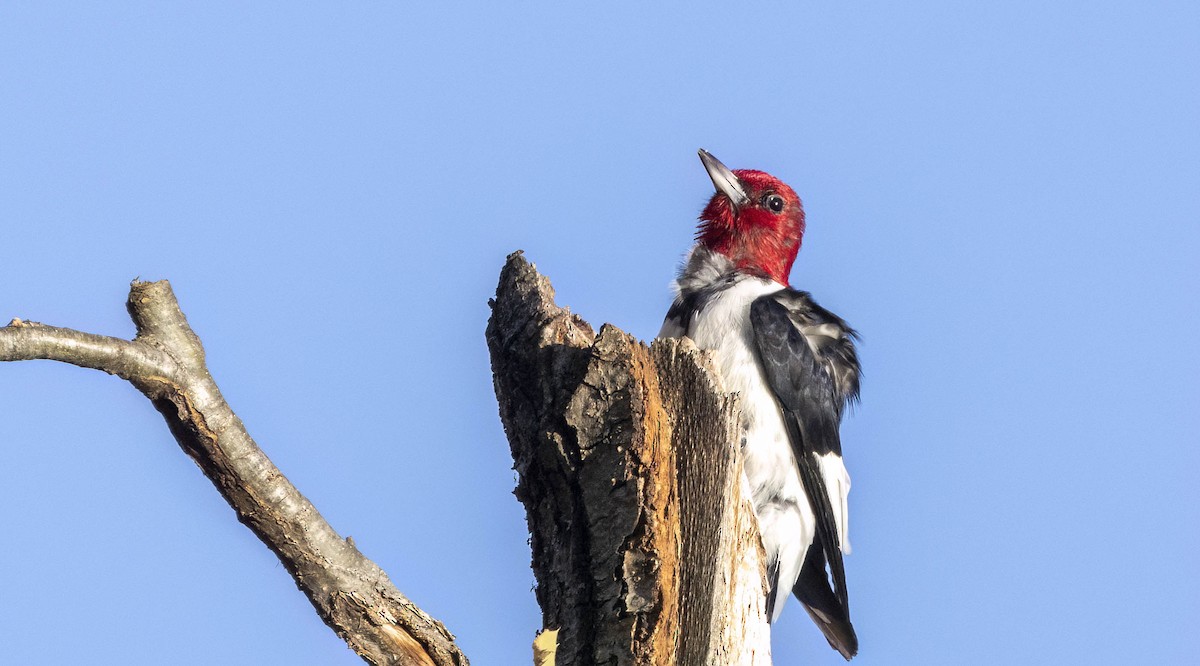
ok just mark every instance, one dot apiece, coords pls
pixel 645 546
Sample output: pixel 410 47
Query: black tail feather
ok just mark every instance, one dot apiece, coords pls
pixel 832 616
pixel 773 593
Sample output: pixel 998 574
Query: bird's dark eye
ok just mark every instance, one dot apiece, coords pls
pixel 774 202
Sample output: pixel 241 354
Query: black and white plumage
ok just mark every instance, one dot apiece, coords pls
pixel 795 366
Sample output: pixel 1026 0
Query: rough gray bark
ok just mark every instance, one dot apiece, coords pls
pixel 645 549
pixel 165 361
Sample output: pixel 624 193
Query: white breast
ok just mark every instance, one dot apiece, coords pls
pixel 723 325
pixel 785 516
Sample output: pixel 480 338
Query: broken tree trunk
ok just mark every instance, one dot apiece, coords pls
pixel 645 545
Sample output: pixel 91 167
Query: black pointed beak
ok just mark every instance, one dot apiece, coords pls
pixel 724 180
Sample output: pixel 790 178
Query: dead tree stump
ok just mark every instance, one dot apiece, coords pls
pixel 645 546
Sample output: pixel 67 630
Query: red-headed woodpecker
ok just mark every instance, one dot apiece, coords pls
pixel 796 369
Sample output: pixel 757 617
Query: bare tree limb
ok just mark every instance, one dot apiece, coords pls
pixel 165 361
pixel 645 546
pixel 28 340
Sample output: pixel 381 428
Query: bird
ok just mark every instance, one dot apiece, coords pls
pixel 796 369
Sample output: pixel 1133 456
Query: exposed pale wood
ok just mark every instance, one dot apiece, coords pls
pixel 724 597
pixel 644 547
pixel 544 646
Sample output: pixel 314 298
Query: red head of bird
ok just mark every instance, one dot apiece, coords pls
pixel 754 219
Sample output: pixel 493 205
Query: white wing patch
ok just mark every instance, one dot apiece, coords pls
pixel 837 482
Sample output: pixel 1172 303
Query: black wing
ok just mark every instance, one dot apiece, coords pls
pixel 679 318
pixel 691 302
pixel 830 337
pixel 812 405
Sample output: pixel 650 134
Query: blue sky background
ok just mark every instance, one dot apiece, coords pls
pixel 1002 197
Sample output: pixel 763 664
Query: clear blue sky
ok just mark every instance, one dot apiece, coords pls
pixel 1004 198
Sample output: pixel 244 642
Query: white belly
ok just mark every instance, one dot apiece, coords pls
pixel 785 517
